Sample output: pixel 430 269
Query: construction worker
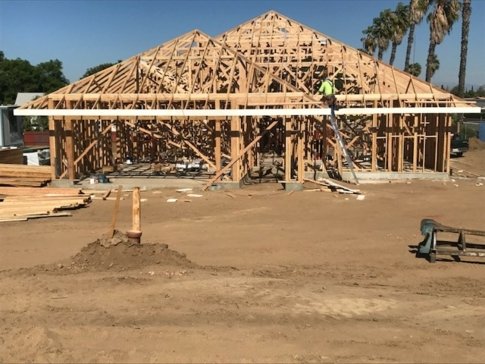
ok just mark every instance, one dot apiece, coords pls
pixel 327 89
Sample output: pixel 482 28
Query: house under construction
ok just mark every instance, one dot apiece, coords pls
pixel 232 100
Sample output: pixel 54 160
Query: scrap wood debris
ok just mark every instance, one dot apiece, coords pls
pixel 333 186
pixel 23 203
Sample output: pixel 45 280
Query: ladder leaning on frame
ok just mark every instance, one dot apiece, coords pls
pixel 341 143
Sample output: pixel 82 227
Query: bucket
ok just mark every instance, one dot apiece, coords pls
pixel 102 178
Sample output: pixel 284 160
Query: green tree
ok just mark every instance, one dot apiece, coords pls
pixel 417 11
pixel 92 70
pixel 414 69
pixel 369 41
pixel 15 75
pixel 49 76
pixel 441 19
pixel 465 28
pixel 384 31
pixel 379 34
pixel 400 25
pixel 433 65
pixel 18 75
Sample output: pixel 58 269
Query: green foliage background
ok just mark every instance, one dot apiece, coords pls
pixel 18 75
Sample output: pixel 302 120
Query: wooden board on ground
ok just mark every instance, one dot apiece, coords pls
pixel 23 182
pixel 46 191
pixel 35 216
pixel 333 186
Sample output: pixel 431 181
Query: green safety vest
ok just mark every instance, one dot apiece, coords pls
pixel 327 88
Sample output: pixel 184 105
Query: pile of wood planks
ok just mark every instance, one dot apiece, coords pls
pixel 23 203
pixel 11 155
pixel 24 175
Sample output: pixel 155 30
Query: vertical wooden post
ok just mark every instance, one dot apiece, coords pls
pixel 53 142
pixel 400 143
pixel 375 128
pixel 436 136
pixel 415 143
pixel 250 132
pixel 448 142
pixel 71 173
pixel 136 209
pixel 114 144
pixel 135 233
pixel 424 122
pixel 301 154
pixel 322 153
pixel 115 212
pixel 288 148
pixel 338 152
pixel 52 147
pixel 217 144
pixel 389 133
pixel 235 148
pixel 217 139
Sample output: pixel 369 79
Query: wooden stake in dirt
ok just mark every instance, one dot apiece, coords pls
pixel 136 210
pixel 135 233
pixel 115 212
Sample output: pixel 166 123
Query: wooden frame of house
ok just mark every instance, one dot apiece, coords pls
pixel 223 99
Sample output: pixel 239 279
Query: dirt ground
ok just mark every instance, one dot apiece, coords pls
pixel 257 275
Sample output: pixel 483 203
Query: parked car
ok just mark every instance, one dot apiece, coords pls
pixel 459 145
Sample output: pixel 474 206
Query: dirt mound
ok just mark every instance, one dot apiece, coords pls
pixel 118 253
pixel 476 144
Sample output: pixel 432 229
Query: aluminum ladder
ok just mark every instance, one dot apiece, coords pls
pixel 341 143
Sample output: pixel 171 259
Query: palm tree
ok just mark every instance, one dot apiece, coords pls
pixel 378 35
pixel 417 11
pixel 465 27
pixel 384 31
pixel 434 65
pixel 414 69
pixel 369 40
pixel 441 20
pixel 400 26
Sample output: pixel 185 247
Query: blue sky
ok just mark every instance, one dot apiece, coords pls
pixel 85 33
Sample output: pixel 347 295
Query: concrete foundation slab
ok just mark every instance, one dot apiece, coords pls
pixel 396 176
pixel 226 186
pixel 292 185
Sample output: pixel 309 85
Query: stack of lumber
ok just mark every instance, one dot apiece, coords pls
pixel 23 203
pixel 11 156
pixel 23 175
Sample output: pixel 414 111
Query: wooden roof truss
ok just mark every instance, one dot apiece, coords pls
pixel 269 62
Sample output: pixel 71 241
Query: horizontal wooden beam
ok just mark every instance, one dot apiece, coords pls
pixel 95 113
pixel 251 97
pixel 131 97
